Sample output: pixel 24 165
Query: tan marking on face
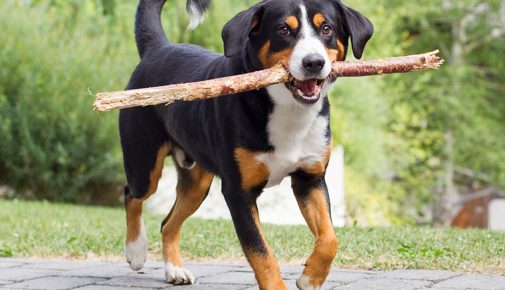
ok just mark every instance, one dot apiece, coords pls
pixel 318 20
pixel 192 187
pixel 292 22
pixel 252 172
pixel 336 54
pixel 269 59
pixel 265 266
pixel 332 54
pixel 319 167
pixel 316 213
pixel 341 51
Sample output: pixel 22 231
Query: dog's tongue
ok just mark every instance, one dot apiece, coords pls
pixel 308 87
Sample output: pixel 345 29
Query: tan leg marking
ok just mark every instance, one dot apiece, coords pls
pixel 135 247
pixel 136 238
pixel 252 171
pixel 190 194
pixel 133 206
pixel 265 267
pixel 316 213
pixel 158 168
pixel 133 209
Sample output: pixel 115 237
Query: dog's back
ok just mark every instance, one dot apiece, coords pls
pixel 162 62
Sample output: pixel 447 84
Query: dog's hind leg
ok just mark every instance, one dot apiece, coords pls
pixel 192 188
pixel 136 237
pixel 312 197
pixel 135 248
pixel 145 147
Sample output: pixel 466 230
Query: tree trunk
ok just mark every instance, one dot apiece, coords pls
pixel 447 192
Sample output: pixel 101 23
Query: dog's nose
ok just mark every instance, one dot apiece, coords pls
pixel 313 63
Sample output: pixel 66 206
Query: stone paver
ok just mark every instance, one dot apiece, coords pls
pixel 101 271
pixel 60 265
pixel 208 270
pixel 136 281
pixel 242 278
pixel 212 287
pixel 20 274
pixel 10 264
pixel 474 282
pixel 3 282
pixel 385 284
pixel 341 276
pixel 107 287
pixel 47 274
pixel 54 283
pixel 429 275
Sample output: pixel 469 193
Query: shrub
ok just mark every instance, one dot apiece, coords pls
pixel 52 145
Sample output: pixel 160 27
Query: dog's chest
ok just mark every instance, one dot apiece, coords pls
pixel 298 135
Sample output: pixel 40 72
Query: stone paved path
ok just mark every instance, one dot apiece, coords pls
pixel 50 274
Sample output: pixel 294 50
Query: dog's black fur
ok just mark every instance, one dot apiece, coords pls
pixel 209 132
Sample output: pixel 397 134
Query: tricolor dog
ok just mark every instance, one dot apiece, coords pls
pixel 251 140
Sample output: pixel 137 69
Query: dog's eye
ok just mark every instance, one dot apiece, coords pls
pixel 326 30
pixel 284 31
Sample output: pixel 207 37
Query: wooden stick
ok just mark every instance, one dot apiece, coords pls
pixel 252 81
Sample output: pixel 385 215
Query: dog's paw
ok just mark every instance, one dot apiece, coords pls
pixel 178 275
pixel 136 252
pixel 303 283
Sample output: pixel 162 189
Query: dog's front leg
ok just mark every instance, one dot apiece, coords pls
pixel 312 197
pixel 245 217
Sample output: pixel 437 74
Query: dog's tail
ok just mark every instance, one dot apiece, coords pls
pixel 148 30
pixel 195 9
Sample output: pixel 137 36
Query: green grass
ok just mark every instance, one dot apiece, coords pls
pixel 59 230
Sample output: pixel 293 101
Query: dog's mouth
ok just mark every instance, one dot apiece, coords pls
pixel 307 92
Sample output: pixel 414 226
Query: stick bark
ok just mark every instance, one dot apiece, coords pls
pixel 256 80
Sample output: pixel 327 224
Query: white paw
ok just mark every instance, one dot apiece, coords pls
pixel 136 252
pixel 178 275
pixel 303 283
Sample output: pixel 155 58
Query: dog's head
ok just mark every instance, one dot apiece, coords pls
pixel 305 35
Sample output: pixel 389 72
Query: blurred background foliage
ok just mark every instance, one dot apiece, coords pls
pixel 405 137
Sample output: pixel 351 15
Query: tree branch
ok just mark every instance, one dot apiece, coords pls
pixel 252 81
pixel 495 34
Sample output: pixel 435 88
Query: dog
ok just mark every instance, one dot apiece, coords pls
pixel 250 140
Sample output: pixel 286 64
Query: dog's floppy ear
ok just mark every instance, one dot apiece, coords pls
pixel 237 30
pixel 358 26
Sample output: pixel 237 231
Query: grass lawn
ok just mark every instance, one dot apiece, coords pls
pixel 44 229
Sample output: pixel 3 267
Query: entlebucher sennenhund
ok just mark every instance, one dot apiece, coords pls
pixel 250 140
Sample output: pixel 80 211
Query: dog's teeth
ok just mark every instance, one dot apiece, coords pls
pixel 300 93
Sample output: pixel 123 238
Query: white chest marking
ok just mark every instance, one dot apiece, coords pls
pixel 297 133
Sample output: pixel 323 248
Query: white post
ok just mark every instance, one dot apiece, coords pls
pixel 335 182
pixel 497 215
